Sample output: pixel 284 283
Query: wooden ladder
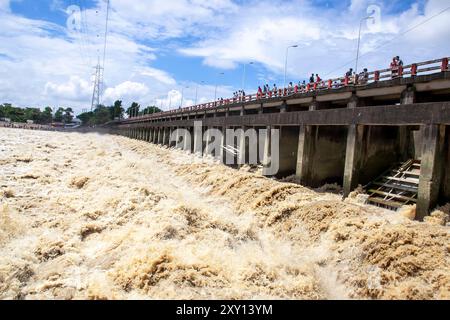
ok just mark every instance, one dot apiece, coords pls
pixel 397 187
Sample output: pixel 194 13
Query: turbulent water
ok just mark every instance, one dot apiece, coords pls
pixel 84 216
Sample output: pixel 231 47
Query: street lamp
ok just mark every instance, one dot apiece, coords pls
pixel 359 41
pixel 244 76
pixel 217 84
pixel 182 95
pixel 196 92
pixel 286 64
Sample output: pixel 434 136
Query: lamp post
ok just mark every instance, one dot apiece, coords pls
pixel 244 75
pixel 217 84
pixel 286 64
pixel 196 92
pixel 182 95
pixel 359 41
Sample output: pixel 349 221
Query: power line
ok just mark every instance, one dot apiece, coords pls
pixel 100 68
pixel 392 39
pixel 105 43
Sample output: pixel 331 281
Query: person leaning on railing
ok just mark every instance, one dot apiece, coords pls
pixel 394 67
pixel 363 77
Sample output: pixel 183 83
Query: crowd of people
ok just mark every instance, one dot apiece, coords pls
pixel 316 82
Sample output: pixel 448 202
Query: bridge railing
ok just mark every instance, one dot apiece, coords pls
pixel 411 70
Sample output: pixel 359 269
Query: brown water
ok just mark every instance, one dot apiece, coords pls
pixel 102 217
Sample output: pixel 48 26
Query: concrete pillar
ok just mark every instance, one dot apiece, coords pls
pixel 161 136
pixel 242 148
pixel 432 165
pixel 166 139
pixel 305 153
pixel 353 158
pixel 288 148
pixel 208 151
pixel 155 137
pixel 187 140
pixel 405 134
pixel 150 135
pixel 266 155
pixel 353 155
pixel 198 138
pixel 222 152
pixel 305 149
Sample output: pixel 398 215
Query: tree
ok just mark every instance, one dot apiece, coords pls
pixel 87 118
pixel 46 116
pixel 33 114
pixel 133 110
pixel 68 115
pixel 151 110
pixel 117 110
pixel 102 115
pixel 59 115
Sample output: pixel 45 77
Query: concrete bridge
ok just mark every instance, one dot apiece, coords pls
pixel 340 131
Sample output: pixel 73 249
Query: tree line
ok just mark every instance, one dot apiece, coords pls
pixel 101 115
pixel 104 114
pixel 22 115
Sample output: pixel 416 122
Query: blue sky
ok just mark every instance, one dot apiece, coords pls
pixel 155 48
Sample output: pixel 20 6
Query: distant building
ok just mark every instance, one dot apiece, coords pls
pixel 74 124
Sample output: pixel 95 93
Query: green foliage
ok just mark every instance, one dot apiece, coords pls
pixel 117 110
pixel 150 110
pixel 103 114
pixel 68 115
pixel 133 111
pixel 22 115
pixel 59 115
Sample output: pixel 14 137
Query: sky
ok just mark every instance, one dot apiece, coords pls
pixel 159 51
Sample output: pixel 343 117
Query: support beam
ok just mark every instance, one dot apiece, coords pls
pixel 353 154
pixel 305 154
pixel 431 169
pixel 353 158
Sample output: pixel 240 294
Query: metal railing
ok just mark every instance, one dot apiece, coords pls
pixel 412 70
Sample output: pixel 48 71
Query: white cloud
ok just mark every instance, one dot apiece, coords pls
pixel 127 91
pixel 327 37
pixel 75 89
pixel 158 75
pixel 42 64
pixel 4 5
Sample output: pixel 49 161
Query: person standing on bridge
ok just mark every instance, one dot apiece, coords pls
pixel 275 90
pixel 311 79
pixel 394 67
pixel 318 79
pixel 260 92
pixel 364 77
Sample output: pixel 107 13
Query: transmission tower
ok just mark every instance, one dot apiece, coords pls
pixel 97 85
pixel 99 69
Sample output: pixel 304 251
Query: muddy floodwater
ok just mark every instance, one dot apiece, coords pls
pixel 88 216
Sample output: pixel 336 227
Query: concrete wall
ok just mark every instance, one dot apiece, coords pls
pixel 328 160
pixel 445 191
pixel 380 152
pixel 288 150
